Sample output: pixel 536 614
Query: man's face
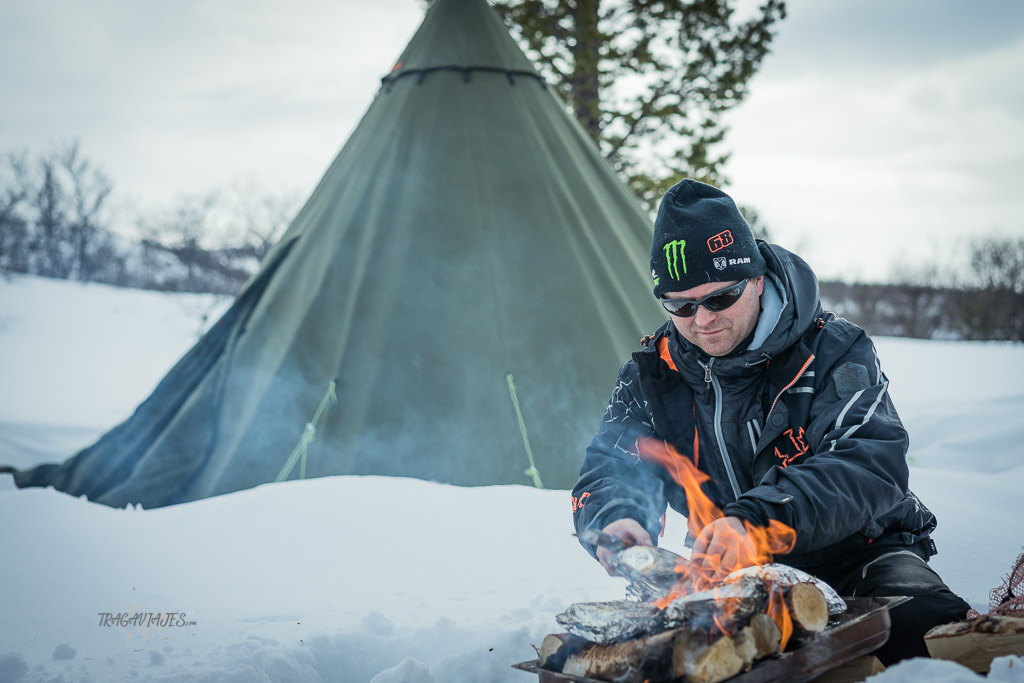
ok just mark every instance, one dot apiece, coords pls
pixel 719 333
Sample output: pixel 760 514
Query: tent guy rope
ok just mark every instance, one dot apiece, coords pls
pixel 301 449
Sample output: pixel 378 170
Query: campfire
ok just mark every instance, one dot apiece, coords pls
pixel 698 619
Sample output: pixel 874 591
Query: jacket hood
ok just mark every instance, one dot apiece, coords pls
pixel 797 288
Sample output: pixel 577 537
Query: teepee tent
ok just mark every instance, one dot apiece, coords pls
pixel 468 276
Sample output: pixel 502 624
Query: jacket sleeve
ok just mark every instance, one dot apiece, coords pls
pixel 614 482
pixel 857 471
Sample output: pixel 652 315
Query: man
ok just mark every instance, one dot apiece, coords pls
pixel 782 404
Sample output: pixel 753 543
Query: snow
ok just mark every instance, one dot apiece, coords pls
pixel 378 579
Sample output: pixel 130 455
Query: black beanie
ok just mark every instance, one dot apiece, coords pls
pixel 700 237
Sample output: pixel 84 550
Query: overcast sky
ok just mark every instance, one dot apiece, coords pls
pixel 879 133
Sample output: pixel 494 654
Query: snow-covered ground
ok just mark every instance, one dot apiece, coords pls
pixel 372 578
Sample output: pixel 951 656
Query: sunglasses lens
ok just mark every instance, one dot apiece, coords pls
pixel 684 309
pixel 722 301
pixel 716 302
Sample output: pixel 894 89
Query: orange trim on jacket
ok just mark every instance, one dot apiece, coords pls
pixel 664 353
pixel 793 381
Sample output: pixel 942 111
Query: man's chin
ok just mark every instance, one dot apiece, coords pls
pixel 716 343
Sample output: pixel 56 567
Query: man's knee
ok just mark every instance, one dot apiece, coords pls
pixel 932 602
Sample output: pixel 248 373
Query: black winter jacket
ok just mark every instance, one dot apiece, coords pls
pixel 798 428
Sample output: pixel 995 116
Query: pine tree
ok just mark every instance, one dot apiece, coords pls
pixel 648 79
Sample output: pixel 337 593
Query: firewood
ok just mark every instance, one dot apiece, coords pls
pixel 808 608
pixel 689 650
pixel 784 576
pixel 732 604
pixel 702 660
pixel 558 647
pixel 705 659
pixel 631 661
pixel 651 572
pixel 609 622
pixel 757 640
pixel 976 642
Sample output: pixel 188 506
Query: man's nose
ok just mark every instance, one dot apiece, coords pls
pixel 703 317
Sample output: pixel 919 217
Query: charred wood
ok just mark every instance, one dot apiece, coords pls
pixel 556 648
pixel 698 654
pixel 635 660
pixel 702 660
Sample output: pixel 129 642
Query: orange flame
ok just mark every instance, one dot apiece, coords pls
pixel 754 546
pixel 778 611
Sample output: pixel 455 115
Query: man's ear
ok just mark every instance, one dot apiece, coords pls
pixel 760 285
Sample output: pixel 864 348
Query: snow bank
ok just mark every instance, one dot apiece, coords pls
pixel 371 578
pixel 85 354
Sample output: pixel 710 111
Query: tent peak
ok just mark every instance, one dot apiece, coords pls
pixel 462 34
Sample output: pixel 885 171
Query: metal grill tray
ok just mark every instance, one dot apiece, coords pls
pixel 861 629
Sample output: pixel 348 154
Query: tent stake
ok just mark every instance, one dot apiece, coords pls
pixel 301 449
pixel 532 471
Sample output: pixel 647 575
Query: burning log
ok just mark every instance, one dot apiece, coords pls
pixel 858 631
pixel 709 662
pixel 784 576
pixel 652 572
pixel 808 608
pixel 697 653
pixel 729 604
pixel 704 659
pixel 706 636
pixel 609 622
pixel 759 639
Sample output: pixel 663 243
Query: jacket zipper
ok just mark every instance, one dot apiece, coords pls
pixel 807 364
pixel 713 381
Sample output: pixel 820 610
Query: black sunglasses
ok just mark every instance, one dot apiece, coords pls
pixel 716 301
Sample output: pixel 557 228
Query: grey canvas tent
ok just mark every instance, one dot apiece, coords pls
pixel 468 270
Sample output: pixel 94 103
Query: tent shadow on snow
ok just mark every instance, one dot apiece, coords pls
pixel 468 240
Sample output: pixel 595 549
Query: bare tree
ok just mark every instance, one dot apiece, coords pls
pixel 54 221
pixel 266 216
pixel 991 303
pixel 86 196
pixel 50 243
pixel 51 220
pixel 919 299
pixel 15 247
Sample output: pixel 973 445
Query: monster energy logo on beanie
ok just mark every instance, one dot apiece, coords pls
pixel 675 251
pixel 700 237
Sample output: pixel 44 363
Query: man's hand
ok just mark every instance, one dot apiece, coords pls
pixel 628 530
pixel 724 546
